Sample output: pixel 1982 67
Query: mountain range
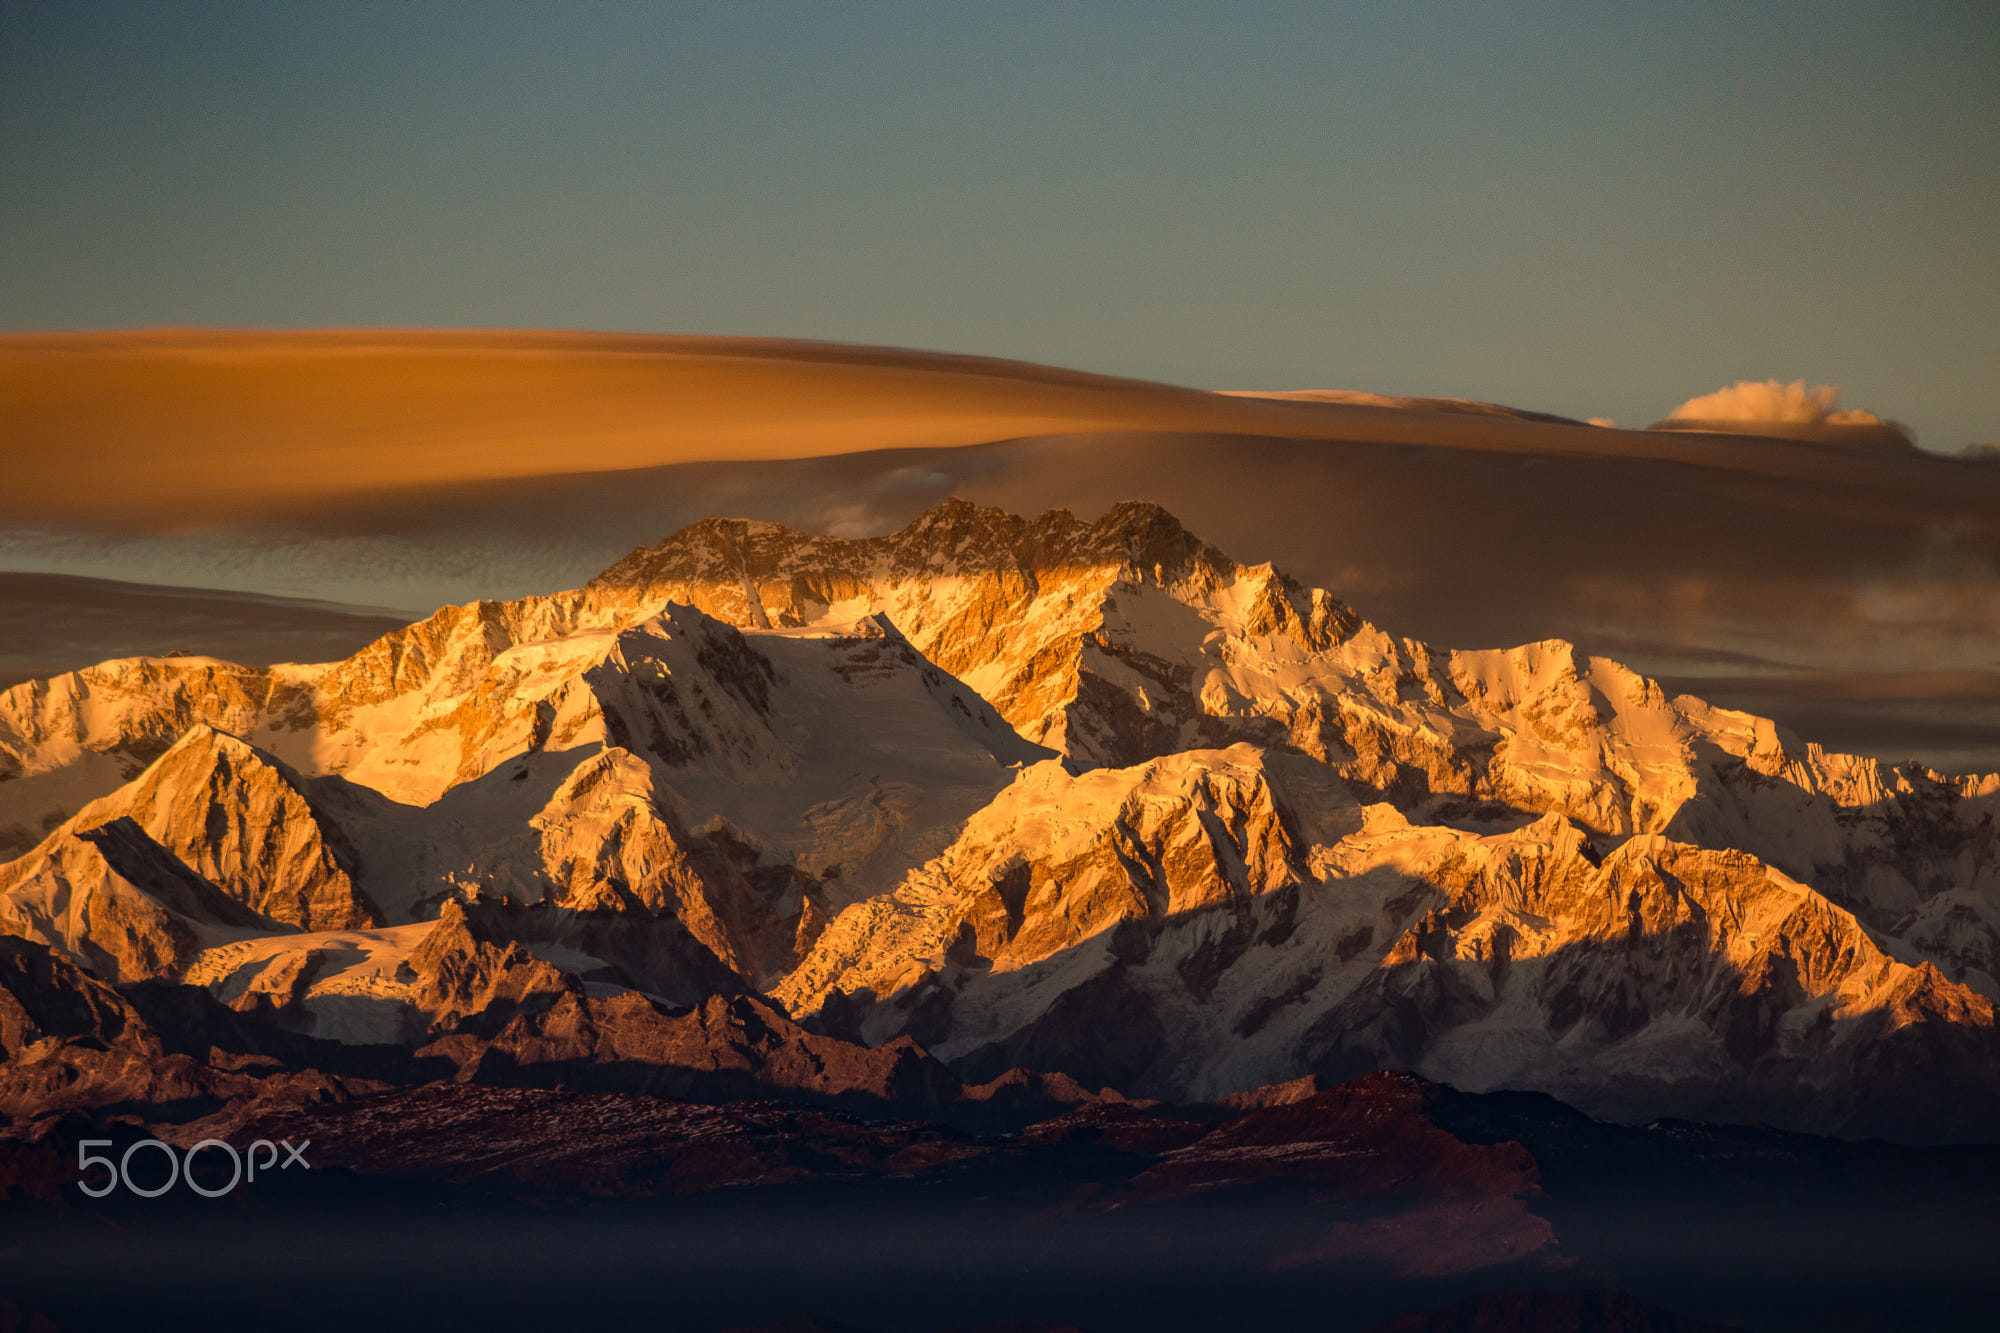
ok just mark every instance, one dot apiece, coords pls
pixel 991 811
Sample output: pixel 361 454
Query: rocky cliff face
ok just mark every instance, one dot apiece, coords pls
pixel 1090 799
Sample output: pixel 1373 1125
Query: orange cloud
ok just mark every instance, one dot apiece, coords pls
pixel 1774 401
pixel 1795 411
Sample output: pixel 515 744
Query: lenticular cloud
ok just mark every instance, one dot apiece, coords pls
pixel 1774 401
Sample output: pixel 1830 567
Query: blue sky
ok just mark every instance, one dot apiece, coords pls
pixel 1591 209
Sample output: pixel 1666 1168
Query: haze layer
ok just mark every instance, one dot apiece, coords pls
pixel 173 426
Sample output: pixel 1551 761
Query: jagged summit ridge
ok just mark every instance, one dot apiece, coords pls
pixel 1027 611
pixel 969 538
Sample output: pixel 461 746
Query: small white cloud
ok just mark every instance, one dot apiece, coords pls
pixel 1774 401
pixel 1795 411
pixel 1606 422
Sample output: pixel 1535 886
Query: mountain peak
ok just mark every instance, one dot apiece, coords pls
pixel 954 536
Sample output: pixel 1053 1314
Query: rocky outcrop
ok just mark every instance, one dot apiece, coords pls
pixel 245 822
pixel 76 737
pixel 113 899
pixel 71 1043
pixel 498 1017
pixel 464 981
pixel 1059 860
pixel 726 1049
pixel 214 839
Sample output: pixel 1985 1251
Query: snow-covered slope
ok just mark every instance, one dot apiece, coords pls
pixel 747 786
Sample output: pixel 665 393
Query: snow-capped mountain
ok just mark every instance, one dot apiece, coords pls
pixel 1083 798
